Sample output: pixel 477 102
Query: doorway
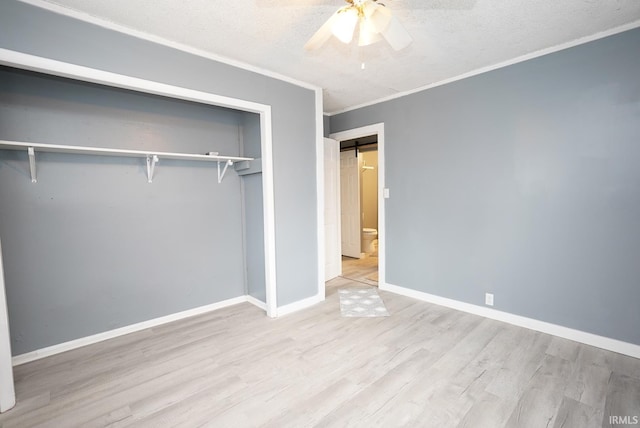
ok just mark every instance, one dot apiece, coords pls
pixel 359 208
pixel 362 150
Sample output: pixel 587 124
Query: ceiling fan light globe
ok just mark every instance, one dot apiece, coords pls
pixel 345 24
pixel 368 8
pixel 376 21
pixel 368 34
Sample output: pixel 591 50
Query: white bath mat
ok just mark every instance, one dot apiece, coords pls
pixel 361 302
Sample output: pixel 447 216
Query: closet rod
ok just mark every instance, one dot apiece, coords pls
pixel 152 157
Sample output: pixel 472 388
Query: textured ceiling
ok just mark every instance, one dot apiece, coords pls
pixel 451 37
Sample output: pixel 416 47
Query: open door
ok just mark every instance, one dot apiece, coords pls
pixel 333 262
pixel 7 392
pixel 350 203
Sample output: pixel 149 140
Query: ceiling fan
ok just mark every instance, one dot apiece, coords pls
pixel 375 22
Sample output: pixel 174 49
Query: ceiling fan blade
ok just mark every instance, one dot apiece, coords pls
pixel 322 35
pixel 380 17
pixel 396 35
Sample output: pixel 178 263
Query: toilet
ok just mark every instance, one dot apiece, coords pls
pixel 368 236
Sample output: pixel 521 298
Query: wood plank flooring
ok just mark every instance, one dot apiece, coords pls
pixel 424 366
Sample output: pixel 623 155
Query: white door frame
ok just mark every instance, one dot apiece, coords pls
pixel 375 129
pixel 320 295
pixel 7 392
pixel 58 68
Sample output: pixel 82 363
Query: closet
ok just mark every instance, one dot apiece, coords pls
pixel 120 207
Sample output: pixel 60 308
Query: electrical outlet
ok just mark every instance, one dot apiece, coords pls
pixel 488 299
pixel 385 193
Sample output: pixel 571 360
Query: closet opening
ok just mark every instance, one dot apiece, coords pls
pixel 93 200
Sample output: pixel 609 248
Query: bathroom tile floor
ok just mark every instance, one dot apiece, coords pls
pixel 361 270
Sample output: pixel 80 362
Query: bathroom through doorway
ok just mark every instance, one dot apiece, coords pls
pixel 350 251
pixel 359 208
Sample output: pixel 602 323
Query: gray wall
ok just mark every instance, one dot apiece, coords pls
pixel 524 182
pixel 92 246
pixel 253 214
pixel 31 30
pixel 326 125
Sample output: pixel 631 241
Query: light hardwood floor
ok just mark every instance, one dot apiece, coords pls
pixel 424 366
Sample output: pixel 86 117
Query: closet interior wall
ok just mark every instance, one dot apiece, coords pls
pixel 92 246
pixel 253 220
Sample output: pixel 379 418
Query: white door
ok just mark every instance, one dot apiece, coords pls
pixel 7 393
pixel 350 203
pixel 333 262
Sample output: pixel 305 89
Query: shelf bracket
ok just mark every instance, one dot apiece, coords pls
pixel 32 164
pixel 151 166
pixel 227 164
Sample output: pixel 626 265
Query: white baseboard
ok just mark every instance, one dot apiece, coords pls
pixel 262 305
pixel 300 304
pixel 84 341
pixel 95 338
pixel 556 330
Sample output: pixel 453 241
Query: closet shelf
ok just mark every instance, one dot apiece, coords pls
pixel 152 157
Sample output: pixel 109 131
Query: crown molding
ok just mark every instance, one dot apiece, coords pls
pixel 82 16
pixel 522 58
